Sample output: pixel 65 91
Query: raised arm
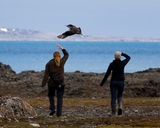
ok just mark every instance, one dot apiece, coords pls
pixel 127 58
pixel 65 53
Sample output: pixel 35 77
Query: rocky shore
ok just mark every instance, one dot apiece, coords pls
pixel 23 103
pixel 78 84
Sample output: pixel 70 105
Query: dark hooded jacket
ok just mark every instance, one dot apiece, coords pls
pixel 117 69
pixel 52 71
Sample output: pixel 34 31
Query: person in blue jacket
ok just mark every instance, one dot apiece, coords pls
pixel 117 80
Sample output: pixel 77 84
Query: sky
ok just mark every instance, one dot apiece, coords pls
pixel 120 18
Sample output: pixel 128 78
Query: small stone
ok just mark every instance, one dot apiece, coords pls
pixel 34 125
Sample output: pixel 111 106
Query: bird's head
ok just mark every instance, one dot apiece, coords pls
pixel 79 31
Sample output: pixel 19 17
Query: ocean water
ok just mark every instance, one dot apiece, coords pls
pixel 83 56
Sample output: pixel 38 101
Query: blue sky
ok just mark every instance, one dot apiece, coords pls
pixel 128 18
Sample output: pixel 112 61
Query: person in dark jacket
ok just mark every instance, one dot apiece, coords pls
pixel 117 80
pixel 54 76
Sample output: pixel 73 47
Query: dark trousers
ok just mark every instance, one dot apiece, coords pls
pixel 59 92
pixel 116 88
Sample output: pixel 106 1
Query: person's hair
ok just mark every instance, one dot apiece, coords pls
pixel 117 55
pixel 57 58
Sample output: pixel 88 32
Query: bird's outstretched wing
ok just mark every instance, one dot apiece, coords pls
pixel 72 27
pixel 65 34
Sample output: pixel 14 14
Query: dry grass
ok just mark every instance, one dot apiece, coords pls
pixel 87 121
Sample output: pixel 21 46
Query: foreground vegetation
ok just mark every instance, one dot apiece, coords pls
pixel 86 113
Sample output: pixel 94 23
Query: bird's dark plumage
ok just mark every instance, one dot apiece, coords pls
pixel 72 30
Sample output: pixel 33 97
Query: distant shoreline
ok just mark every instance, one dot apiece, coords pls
pixel 147 41
pixel 14 34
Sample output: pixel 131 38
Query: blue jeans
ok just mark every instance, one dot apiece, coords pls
pixel 116 88
pixel 51 94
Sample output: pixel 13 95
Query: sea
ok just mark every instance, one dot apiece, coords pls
pixel 83 56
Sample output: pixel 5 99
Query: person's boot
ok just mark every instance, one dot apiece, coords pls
pixel 51 113
pixel 113 107
pixel 119 111
pixel 119 107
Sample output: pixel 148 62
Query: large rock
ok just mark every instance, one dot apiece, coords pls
pixel 6 73
pixel 15 106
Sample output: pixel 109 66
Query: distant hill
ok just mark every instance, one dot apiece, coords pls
pixel 15 34
pixel 9 34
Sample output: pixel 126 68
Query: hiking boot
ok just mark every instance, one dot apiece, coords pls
pixel 119 107
pixel 119 111
pixel 51 113
pixel 58 115
pixel 113 107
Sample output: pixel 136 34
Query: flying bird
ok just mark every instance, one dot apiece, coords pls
pixel 72 30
